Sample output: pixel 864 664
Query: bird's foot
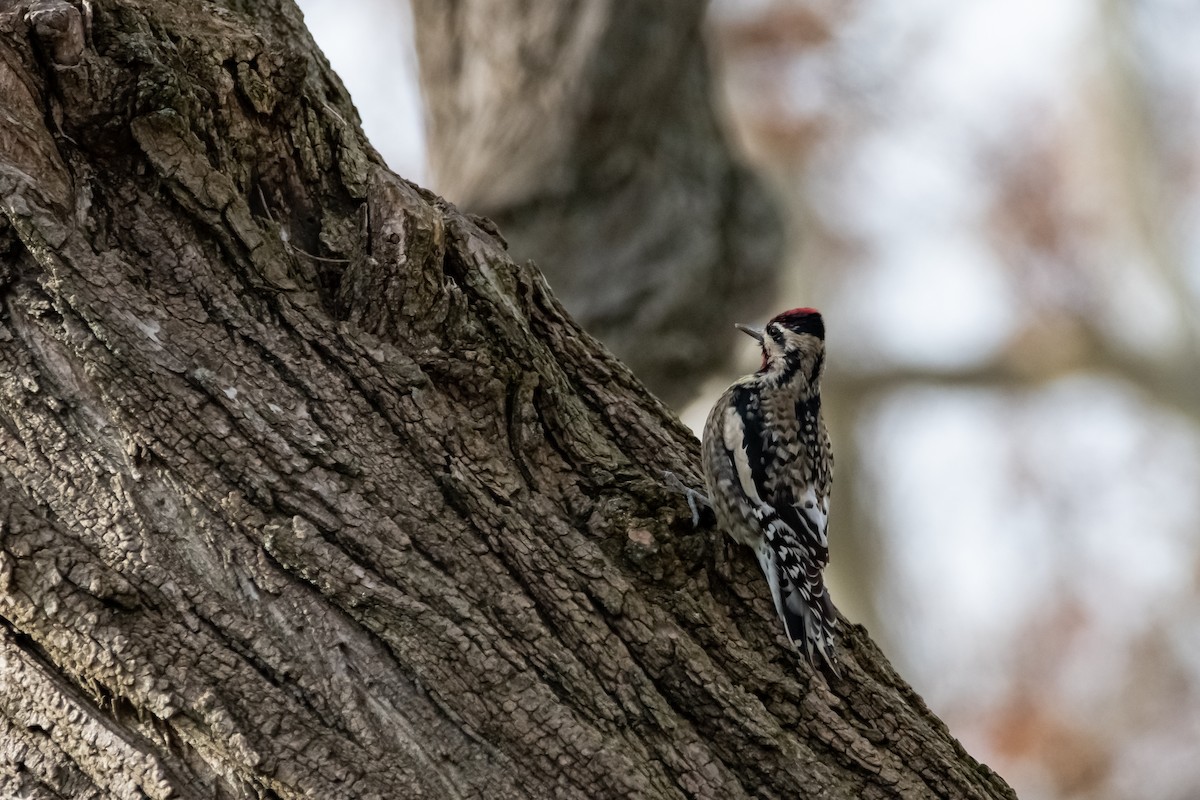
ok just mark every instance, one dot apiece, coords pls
pixel 697 501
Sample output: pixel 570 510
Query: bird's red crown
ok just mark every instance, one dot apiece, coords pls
pixel 802 320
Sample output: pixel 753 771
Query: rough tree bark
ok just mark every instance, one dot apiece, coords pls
pixel 585 128
pixel 309 490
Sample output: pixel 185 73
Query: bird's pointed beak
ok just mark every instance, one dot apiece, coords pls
pixel 751 331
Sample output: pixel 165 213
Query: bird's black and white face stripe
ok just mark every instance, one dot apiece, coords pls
pixel 788 346
pixel 776 343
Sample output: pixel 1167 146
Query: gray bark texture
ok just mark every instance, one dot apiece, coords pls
pixel 308 490
pixel 585 129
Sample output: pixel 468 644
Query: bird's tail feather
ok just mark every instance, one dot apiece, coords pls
pixel 812 625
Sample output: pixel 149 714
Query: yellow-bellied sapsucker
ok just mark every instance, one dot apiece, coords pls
pixel 768 468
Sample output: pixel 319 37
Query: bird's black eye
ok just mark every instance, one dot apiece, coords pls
pixel 774 332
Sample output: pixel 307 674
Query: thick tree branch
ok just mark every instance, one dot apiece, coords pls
pixel 587 131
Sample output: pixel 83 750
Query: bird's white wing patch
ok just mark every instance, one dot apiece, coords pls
pixel 733 434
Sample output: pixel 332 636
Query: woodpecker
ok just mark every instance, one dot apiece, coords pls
pixel 768 468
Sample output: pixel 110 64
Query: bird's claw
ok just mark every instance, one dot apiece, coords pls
pixel 696 500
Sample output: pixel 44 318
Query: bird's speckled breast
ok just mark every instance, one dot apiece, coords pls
pixel 801 439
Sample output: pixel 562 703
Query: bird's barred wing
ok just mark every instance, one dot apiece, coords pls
pixel 801 521
pixel 808 515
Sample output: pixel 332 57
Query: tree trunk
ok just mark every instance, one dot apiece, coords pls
pixel 585 128
pixel 309 490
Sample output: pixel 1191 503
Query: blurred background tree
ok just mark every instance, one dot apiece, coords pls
pixel 995 204
pixel 586 131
